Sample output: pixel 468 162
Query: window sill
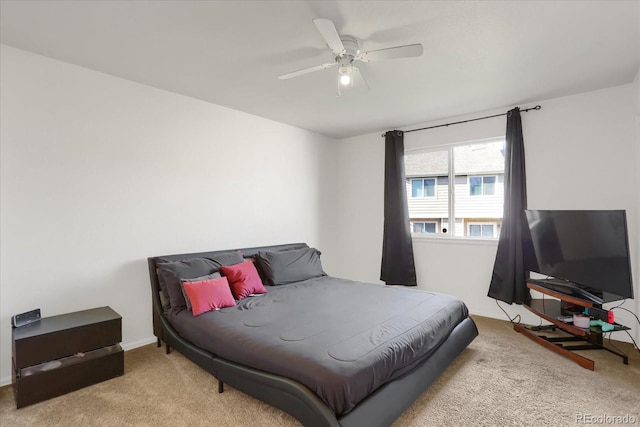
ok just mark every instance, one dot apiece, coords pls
pixel 455 240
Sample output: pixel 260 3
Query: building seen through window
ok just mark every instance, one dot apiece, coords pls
pixel 461 185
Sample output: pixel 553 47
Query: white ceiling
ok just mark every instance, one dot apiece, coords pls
pixel 477 55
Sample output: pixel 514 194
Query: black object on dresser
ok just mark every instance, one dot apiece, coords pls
pixel 25 318
pixel 60 354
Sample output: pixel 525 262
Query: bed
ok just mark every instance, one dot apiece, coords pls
pixel 329 351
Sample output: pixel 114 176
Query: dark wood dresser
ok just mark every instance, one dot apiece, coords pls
pixel 60 354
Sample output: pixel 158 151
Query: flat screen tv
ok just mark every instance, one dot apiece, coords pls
pixel 583 252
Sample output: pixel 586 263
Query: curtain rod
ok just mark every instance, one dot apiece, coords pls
pixel 537 107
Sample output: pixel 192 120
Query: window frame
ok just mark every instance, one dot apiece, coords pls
pixel 435 224
pixel 482 185
pixel 423 179
pixel 451 190
pixel 492 223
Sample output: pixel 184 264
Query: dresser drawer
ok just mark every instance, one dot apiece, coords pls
pixel 66 378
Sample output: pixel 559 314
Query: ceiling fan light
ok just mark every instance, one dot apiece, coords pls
pixel 345 79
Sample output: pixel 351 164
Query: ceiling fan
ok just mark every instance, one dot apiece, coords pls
pixel 347 50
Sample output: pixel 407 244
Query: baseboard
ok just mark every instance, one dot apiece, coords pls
pixel 5 381
pixel 131 345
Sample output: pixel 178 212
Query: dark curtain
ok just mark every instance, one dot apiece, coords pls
pixel 511 268
pixel 398 267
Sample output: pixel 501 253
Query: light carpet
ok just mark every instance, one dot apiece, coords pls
pixel 501 379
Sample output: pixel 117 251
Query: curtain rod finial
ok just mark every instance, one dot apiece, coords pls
pixel 384 135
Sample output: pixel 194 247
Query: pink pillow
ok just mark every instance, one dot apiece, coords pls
pixel 207 295
pixel 243 279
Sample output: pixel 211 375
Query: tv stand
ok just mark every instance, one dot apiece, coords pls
pixel 550 309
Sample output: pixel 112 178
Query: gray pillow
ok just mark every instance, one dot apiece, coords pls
pixel 228 258
pixel 215 275
pixel 280 268
pixel 171 272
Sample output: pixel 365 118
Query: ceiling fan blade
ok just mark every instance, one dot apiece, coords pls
pixel 307 70
pixel 391 53
pixel 359 80
pixel 330 35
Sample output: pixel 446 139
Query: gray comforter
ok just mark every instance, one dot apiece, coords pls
pixel 342 339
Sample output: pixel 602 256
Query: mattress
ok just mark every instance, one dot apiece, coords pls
pixel 340 338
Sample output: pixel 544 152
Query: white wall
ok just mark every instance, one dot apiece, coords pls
pixel 99 173
pixel 581 153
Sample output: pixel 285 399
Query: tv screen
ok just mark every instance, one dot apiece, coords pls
pixel 588 248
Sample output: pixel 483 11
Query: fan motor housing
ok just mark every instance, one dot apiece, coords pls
pixel 351 49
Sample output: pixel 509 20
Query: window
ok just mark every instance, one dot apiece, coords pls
pixel 460 185
pixel 481 230
pixel 423 227
pixel 482 185
pixel 423 187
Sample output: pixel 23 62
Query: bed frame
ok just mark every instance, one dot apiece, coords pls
pixel 381 408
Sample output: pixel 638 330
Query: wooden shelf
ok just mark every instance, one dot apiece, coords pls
pixel 564 297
